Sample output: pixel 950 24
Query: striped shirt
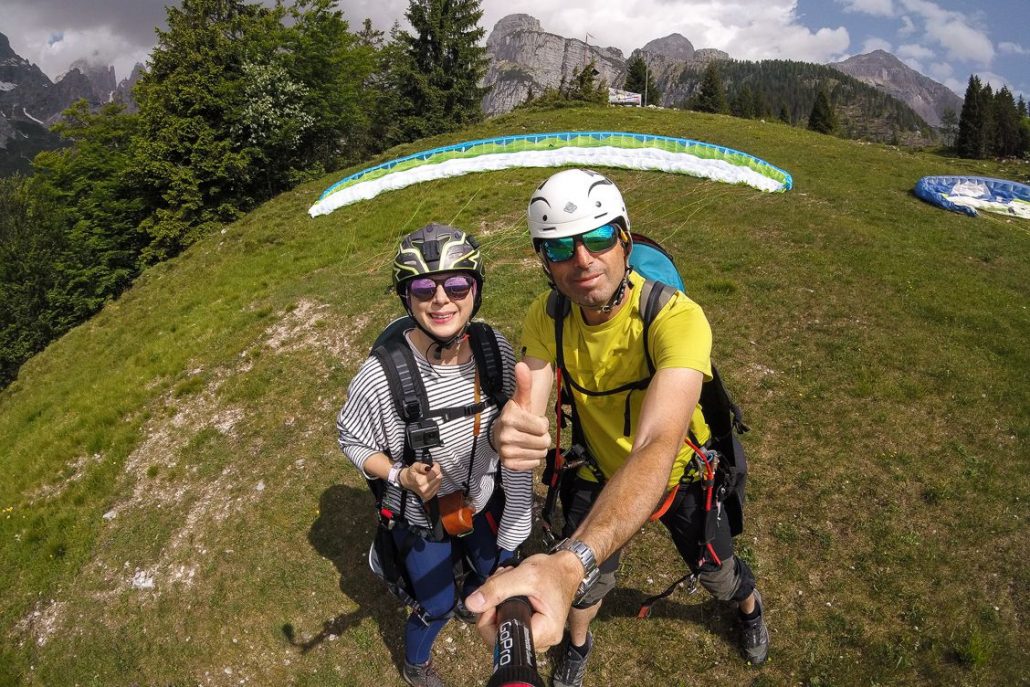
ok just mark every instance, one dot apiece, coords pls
pixel 368 424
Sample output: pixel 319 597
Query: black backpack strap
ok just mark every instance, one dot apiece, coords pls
pixel 487 354
pixel 411 402
pixel 654 295
pixel 406 387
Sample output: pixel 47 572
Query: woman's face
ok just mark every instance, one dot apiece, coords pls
pixel 442 303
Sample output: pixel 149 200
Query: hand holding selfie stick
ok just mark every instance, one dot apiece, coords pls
pixel 514 658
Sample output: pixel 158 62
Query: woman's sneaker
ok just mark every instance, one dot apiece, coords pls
pixel 422 676
pixel 754 636
pixel 572 665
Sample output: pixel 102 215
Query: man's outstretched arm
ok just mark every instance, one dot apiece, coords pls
pixel 630 496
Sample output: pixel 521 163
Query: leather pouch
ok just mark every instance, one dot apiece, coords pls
pixel 456 514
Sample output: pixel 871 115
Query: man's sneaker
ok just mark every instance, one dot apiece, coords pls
pixel 571 665
pixel 422 676
pixel 754 636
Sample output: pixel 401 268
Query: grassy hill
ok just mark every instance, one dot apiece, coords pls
pixel 174 509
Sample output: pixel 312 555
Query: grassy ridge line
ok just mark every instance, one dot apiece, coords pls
pixel 849 318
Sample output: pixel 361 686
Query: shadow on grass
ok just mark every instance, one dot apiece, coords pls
pixel 716 617
pixel 342 533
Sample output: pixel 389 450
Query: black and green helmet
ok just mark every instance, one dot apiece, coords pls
pixel 437 248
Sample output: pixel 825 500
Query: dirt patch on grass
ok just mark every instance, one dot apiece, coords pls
pixel 41 623
pixel 312 325
pixel 72 473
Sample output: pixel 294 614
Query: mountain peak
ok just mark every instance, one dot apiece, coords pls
pixel 886 72
pixel 5 47
pixel 675 46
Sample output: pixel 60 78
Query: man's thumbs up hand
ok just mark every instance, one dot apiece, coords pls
pixel 523 386
pixel 521 437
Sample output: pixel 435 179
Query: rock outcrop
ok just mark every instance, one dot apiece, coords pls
pixel 674 47
pixel 526 60
pixel 887 73
pixel 123 93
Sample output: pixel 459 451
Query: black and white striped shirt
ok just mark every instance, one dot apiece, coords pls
pixel 368 423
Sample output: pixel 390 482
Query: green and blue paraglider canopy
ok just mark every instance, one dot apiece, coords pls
pixel 580 148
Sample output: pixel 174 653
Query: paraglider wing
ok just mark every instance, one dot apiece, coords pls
pixel 967 194
pixel 590 148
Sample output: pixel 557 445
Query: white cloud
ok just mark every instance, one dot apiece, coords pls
pixel 1012 48
pixel 952 31
pixel 874 43
pixel 746 29
pixel 907 27
pixel 915 51
pixel 877 8
pixel 97 45
pixel 996 81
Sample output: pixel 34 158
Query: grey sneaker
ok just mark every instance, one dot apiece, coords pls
pixel 422 676
pixel 571 667
pixel 754 636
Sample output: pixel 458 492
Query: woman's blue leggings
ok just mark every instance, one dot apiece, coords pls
pixel 432 575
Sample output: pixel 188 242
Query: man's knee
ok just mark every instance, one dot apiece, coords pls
pixel 731 581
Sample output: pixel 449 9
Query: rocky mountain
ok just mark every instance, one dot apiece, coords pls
pixel 886 72
pixel 526 60
pixel 30 102
pixel 123 93
pixel 100 77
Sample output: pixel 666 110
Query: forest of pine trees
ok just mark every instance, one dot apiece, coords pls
pixel 240 102
pixel 788 90
pixel 992 124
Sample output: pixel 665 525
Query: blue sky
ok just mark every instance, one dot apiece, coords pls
pixel 945 39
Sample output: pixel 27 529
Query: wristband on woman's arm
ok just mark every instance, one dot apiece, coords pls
pixel 394 477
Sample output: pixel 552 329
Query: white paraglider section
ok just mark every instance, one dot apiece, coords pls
pixel 594 149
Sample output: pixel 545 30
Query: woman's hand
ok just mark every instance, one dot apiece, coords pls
pixel 422 479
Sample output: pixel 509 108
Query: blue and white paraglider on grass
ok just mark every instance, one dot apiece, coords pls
pixel 582 148
pixel 969 194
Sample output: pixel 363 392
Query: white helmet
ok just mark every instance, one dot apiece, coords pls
pixel 573 202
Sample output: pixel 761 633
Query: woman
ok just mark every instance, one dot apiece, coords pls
pixel 438 275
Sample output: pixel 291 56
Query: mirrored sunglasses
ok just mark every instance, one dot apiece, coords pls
pixel 456 287
pixel 596 241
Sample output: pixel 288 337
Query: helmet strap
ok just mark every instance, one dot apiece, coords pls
pixel 438 344
pixel 617 297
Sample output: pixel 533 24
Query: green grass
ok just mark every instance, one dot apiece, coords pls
pixel 877 344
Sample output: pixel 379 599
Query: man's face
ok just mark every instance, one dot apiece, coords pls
pixel 589 279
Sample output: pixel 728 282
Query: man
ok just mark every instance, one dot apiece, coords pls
pixel 581 232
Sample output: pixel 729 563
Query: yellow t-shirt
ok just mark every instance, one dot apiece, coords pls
pixel 608 355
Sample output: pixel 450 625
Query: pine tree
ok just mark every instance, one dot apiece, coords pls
pixel 330 69
pixel 822 118
pixel 640 79
pixel 712 95
pixel 438 72
pixel 743 103
pixel 949 127
pixel 1006 141
pixel 33 245
pixel 974 124
pixel 195 174
pixel 585 87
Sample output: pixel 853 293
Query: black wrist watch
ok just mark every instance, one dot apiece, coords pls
pixel 586 556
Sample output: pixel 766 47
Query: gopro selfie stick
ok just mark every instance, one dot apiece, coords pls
pixel 514 659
